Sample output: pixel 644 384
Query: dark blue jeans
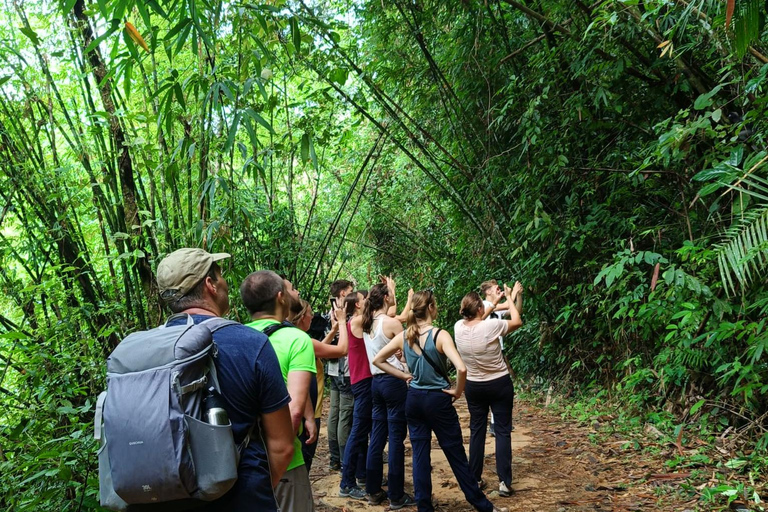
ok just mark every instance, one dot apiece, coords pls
pixel 356 450
pixel 498 395
pixel 430 411
pixel 389 394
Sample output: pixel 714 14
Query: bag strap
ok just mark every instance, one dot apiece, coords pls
pixel 98 416
pixel 190 321
pixel 213 325
pixel 435 366
pixel 272 329
pixel 217 322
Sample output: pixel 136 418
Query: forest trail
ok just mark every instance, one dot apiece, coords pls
pixel 555 468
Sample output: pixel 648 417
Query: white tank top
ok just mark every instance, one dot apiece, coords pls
pixel 373 344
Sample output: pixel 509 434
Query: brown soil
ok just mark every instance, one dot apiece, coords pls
pixel 555 468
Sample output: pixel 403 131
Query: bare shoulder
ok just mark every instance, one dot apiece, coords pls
pixel 444 336
pixel 391 323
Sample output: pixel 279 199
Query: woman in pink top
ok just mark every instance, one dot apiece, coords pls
pixel 354 461
pixel 488 382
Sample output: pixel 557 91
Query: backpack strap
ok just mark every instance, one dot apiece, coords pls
pixel 213 325
pixel 97 419
pixel 435 365
pixel 190 321
pixel 272 329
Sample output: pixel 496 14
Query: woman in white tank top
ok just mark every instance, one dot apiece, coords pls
pixel 389 394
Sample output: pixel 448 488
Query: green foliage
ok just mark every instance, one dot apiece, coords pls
pixel 612 158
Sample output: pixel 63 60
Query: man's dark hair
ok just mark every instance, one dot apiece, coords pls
pixel 339 286
pixel 259 291
pixel 195 296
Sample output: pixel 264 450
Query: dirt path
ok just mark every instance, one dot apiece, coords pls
pixel 555 468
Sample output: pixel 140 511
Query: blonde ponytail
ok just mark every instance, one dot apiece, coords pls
pixel 420 304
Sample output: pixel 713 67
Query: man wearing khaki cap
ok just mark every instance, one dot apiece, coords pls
pixel 249 375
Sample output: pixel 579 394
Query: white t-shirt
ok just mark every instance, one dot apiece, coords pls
pixel 480 349
pixel 496 314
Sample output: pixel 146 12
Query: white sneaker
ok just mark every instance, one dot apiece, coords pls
pixel 500 509
pixel 504 490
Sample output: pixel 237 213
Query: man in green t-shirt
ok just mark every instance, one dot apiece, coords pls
pixel 268 298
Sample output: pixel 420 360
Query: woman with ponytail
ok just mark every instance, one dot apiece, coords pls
pixel 488 381
pixel 354 459
pixel 389 394
pixel 429 402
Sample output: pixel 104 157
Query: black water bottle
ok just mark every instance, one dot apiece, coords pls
pixel 213 409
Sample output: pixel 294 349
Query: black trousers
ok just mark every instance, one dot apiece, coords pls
pixel 497 395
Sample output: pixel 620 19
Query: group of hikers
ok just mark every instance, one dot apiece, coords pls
pixel 384 379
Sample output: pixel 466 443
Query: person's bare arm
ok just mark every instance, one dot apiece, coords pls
pixel 298 388
pixel 489 309
pixel 380 359
pixel 517 296
pixel 334 327
pixel 514 321
pixel 403 316
pixel 278 440
pixel 310 426
pixel 324 350
pixel 445 345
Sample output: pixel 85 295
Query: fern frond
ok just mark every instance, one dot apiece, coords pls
pixel 745 253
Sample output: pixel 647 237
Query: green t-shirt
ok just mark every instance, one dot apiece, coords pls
pixel 296 354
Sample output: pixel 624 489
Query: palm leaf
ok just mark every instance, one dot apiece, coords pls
pixel 744 253
pixel 746 24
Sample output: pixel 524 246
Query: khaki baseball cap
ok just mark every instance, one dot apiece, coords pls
pixel 181 270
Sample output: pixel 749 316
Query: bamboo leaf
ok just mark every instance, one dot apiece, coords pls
pixel 177 28
pixel 31 34
pixel 156 7
pixel 135 36
pixel 304 147
pixel 102 37
pixel 296 34
pixel 263 122
pixel 312 154
pixel 67 5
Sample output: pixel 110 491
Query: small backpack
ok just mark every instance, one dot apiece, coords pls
pixel 155 446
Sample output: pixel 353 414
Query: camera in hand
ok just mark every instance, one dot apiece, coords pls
pixel 213 409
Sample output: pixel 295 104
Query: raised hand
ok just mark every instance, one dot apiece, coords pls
pixel 390 284
pixel 339 315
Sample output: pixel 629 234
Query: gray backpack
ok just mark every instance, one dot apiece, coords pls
pixel 155 447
